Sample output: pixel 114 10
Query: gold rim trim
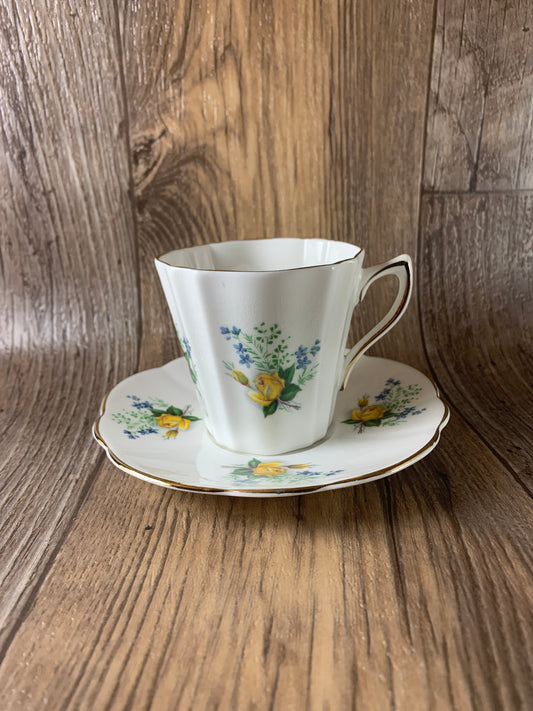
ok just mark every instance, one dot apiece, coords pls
pixel 387 325
pixel 259 271
pixel 379 473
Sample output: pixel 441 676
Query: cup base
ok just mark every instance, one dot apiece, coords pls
pixel 271 453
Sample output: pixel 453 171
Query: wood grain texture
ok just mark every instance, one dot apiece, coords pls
pixel 477 292
pixel 154 125
pixel 480 115
pixel 67 332
pixel 398 594
pixel 259 123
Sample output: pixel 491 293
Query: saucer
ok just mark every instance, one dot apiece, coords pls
pixel 388 417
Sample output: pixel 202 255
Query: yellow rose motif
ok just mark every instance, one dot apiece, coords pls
pixel 169 421
pixel 269 469
pixel 259 398
pixel 363 402
pixel 372 412
pixel 269 386
pixel 240 377
pixel 171 433
pixel 299 466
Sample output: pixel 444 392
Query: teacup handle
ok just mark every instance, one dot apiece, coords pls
pixel 401 268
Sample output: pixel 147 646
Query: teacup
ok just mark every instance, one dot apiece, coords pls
pixel 263 325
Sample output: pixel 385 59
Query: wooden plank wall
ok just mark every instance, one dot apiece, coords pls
pixel 131 128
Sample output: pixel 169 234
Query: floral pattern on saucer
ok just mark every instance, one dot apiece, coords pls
pixel 258 471
pixel 191 461
pixel 391 406
pixel 281 373
pixel 153 416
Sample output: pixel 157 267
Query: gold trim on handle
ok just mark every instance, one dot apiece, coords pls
pixel 385 326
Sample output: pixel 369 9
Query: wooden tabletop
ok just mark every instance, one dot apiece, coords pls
pixel 131 128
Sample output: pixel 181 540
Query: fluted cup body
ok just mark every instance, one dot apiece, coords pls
pixel 263 325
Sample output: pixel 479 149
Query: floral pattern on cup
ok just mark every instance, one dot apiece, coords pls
pixel 257 471
pixel 186 347
pixel 390 407
pixel 281 372
pixel 153 416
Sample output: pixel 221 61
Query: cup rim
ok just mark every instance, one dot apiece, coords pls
pixel 359 251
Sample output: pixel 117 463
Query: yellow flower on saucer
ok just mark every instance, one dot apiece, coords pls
pixel 171 433
pixel 269 386
pixel 166 420
pixel 269 469
pixel 363 402
pixel 372 412
pixel 299 466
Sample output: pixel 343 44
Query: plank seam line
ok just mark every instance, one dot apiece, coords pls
pixel 426 193
pixel 131 184
pixel 460 193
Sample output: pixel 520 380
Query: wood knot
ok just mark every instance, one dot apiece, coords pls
pixel 148 151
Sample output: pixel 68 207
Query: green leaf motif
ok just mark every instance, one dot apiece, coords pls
pixel 174 411
pixel 191 418
pixel 289 392
pixel 270 409
pixel 287 374
pixel 253 463
pixel 241 472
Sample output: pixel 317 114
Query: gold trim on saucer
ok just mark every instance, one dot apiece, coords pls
pixel 294 491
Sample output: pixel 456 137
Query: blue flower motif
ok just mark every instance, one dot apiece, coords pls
pixel 147 431
pixel 407 411
pixel 302 361
pixel 140 405
pixel 130 434
pixel 383 394
pixel 234 331
pixel 314 349
pixel 308 472
pixel 244 357
pixel 187 346
pixel 133 397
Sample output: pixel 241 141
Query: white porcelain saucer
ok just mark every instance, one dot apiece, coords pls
pixel 389 417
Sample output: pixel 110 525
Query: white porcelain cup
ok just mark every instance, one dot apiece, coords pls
pixel 263 325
